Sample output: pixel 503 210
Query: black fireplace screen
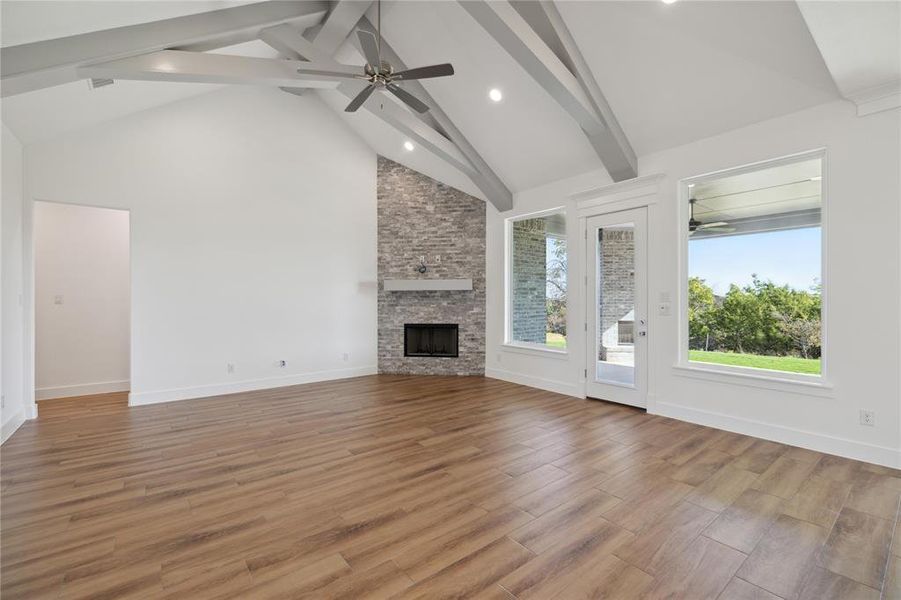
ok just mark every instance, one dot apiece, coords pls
pixel 431 340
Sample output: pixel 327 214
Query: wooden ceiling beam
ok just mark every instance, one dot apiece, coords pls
pixel 47 63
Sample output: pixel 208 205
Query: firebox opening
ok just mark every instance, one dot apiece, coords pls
pixel 428 339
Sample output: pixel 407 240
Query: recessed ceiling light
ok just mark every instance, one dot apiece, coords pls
pixel 495 94
pixel 691 185
pixel 408 146
pixel 668 1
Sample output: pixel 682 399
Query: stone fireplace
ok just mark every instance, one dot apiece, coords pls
pixel 423 221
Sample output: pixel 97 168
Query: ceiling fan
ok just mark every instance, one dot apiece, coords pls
pixel 695 225
pixel 381 74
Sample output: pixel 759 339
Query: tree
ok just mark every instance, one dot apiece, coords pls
pixel 701 313
pixel 804 333
pixel 759 318
pixel 556 285
pixel 741 322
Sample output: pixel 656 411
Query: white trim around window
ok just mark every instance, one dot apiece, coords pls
pixel 818 385
pixel 509 343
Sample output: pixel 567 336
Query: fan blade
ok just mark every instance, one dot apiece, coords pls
pixel 316 73
pixel 709 225
pixel 408 98
pixel 442 70
pixel 370 48
pixel 713 231
pixel 360 99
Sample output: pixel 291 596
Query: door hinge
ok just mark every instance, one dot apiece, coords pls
pixel 586 326
pixel 585 374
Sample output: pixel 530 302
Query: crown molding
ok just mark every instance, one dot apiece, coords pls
pixel 876 99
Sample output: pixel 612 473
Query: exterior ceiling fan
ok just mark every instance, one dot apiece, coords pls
pixel 695 225
pixel 381 74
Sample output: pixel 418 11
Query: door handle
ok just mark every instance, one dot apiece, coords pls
pixel 642 333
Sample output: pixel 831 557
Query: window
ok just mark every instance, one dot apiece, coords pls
pixel 536 310
pixel 754 290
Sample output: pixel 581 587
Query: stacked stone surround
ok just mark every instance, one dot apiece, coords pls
pixel 617 284
pixel 528 281
pixel 418 216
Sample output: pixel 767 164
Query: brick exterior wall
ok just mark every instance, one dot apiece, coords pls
pixel 418 216
pixel 529 281
pixel 617 284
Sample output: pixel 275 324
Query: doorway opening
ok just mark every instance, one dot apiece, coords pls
pixel 617 307
pixel 82 317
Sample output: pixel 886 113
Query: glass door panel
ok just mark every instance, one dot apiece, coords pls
pixel 615 247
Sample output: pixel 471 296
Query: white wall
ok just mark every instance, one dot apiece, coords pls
pixel 15 409
pixel 253 238
pixel 81 268
pixel 863 177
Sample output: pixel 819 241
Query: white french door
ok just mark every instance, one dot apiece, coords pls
pixel 617 319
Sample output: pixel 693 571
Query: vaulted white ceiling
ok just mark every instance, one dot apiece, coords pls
pixel 671 73
pixel 674 73
pixel 861 44
pixel 527 138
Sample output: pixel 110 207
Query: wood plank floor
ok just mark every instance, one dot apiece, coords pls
pixel 429 487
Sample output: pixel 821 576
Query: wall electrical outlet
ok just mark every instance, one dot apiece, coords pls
pixel 281 364
pixel 868 418
pixel 230 368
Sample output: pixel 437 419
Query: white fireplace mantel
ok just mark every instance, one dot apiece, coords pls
pixel 427 285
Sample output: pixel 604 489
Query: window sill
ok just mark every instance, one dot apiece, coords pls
pixel 813 386
pixel 535 350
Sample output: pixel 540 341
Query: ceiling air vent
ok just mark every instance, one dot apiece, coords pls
pixel 95 83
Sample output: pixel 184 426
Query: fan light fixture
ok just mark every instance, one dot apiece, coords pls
pixel 408 146
pixel 694 225
pixel 495 94
pixel 377 73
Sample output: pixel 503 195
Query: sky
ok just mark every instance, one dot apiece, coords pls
pixel 784 257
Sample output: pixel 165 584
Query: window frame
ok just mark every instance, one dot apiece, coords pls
pixel 753 375
pixel 509 342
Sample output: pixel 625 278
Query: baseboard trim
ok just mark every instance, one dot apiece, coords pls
pixel 871 453
pixel 11 426
pixel 550 385
pixel 248 385
pixel 80 389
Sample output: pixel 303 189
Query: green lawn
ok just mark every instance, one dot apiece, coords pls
pixel 791 364
pixel 555 340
